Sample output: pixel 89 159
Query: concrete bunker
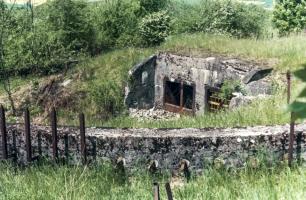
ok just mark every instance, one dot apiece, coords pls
pixel 190 85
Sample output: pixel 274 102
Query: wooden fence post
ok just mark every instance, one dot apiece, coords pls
pixel 3 133
pixel 156 191
pixel 54 134
pixel 169 192
pixel 83 138
pixel 27 124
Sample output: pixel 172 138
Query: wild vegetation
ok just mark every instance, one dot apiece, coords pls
pixel 102 182
pixel 95 44
pixel 99 42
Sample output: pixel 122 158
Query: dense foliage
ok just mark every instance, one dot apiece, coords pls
pixel 47 38
pixel 290 16
pixel 154 28
pixel 221 17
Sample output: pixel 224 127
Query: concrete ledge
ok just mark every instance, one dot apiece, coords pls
pixel 232 146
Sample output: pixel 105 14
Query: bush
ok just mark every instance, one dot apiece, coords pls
pixel 115 23
pixel 222 17
pixel 151 6
pixel 290 16
pixel 229 87
pixel 154 28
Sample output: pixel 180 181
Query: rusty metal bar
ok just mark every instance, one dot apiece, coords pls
pixel 169 192
pixel 83 138
pixel 156 191
pixel 27 127
pixel 292 121
pixel 3 132
pixel 54 134
pixel 288 75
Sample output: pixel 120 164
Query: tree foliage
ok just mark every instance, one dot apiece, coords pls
pixel 221 17
pixel 290 16
pixel 154 28
pixel 298 107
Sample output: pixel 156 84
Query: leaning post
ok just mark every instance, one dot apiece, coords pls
pixel 292 122
pixel 3 132
pixel 83 138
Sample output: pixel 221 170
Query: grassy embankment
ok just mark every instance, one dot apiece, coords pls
pixel 63 182
pixel 112 67
pixel 283 54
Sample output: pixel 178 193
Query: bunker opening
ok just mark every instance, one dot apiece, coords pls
pixel 182 84
pixel 214 102
pixel 179 97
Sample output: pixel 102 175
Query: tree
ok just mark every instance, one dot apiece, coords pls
pixel 154 28
pixel 290 16
pixel 6 24
pixel 68 21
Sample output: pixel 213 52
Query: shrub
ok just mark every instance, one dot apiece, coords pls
pixel 222 17
pixel 229 87
pixel 115 23
pixel 289 16
pixel 151 6
pixel 154 28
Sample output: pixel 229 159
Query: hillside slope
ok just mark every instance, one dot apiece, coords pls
pixel 96 85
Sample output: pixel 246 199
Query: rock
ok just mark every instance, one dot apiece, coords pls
pixel 261 87
pixel 152 114
pixel 240 101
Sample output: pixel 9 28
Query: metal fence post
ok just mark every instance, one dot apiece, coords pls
pixel 156 191
pixel 3 132
pixel 27 124
pixel 54 134
pixel 292 122
pixel 169 192
pixel 83 138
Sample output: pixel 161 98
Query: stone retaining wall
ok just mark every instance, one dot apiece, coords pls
pixel 233 147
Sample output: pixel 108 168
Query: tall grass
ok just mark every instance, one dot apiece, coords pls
pixel 283 54
pixel 102 182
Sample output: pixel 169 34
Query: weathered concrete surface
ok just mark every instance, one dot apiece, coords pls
pixel 146 89
pixel 168 146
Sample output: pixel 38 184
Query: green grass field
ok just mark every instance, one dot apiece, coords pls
pixel 102 182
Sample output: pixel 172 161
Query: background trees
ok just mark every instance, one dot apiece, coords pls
pixel 290 16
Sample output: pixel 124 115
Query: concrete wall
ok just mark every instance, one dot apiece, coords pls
pixel 231 147
pixel 201 72
pixel 141 90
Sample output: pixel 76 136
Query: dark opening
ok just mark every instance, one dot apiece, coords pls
pixel 172 93
pixel 188 96
pixel 179 97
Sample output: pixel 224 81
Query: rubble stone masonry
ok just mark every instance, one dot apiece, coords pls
pixel 231 146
